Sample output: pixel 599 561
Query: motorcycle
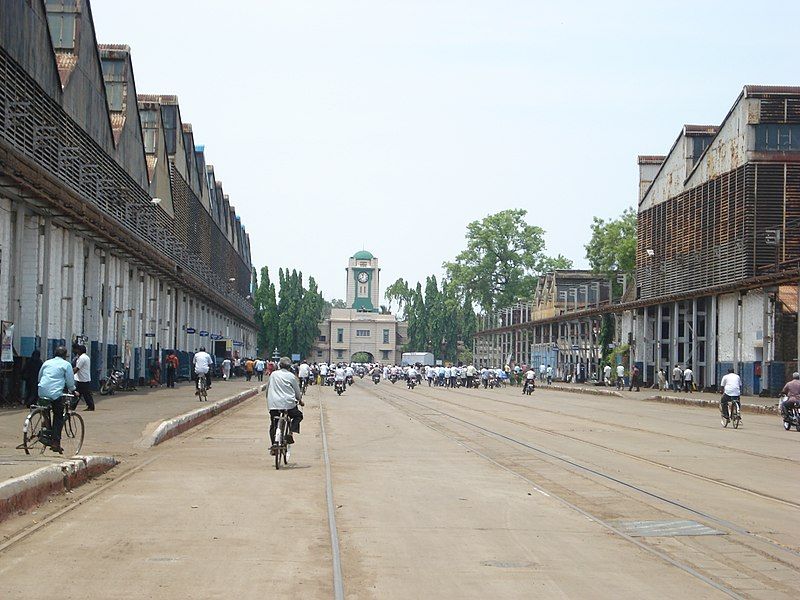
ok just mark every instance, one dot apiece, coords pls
pixel 529 387
pixel 329 379
pixel 376 379
pixel 412 383
pixel 112 383
pixel 393 378
pixel 790 415
pixel 349 380
pixel 339 387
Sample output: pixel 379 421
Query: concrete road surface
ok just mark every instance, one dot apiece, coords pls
pixel 437 494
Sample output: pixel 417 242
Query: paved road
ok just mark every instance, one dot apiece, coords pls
pixel 442 494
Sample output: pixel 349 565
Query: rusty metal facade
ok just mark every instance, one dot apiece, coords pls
pixel 36 130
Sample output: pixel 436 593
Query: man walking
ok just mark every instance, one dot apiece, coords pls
pixel 259 367
pixel 620 376
pixel 83 378
pixel 688 379
pixel 634 379
pixel 677 378
pixel 172 368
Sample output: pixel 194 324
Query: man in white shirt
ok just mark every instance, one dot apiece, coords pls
pixel 549 375
pixel 202 362
pixel 259 367
pixel 620 376
pixel 83 378
pixel 542 371
pixel 731 386
pixel 303 372
pixel 340 373
pixel 688 379
pixel 607 374
pixel 470 376
pixel 283 393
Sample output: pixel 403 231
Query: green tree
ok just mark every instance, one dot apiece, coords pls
pixel 612 248
pixel 399 292
pixel 504 255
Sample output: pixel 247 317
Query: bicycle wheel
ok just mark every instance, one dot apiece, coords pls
pixel 72 436
pixel 32 432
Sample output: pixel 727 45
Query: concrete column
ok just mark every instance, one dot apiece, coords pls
pixel 695 365
pixel 711 337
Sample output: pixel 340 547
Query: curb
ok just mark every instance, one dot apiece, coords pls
pixel 749 408
pixel 171 427
pixel 23 492
pixel 581 390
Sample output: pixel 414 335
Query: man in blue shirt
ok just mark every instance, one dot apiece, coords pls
pixel 55 375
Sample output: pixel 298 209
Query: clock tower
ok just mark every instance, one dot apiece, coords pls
pixel 363 277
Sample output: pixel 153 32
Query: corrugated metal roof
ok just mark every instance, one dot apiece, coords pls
pixel 650 159
pixel 759 91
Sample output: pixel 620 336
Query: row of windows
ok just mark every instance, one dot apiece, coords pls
pixel 340 354
pixel 782 137
pixel 359 333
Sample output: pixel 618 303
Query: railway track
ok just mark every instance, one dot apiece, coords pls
pixel 630 455
pixel 591 490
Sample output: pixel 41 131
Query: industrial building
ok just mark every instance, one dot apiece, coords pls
pixel 718 251
pixel 113 229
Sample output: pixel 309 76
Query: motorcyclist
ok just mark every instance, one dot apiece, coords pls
pixel 339 375
pixel 530 379
pixel 349 372
pixel 790 394
pixel 412 376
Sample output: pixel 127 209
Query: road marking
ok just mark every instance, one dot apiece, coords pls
pixel 338 580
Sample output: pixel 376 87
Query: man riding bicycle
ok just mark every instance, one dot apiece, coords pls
pixel 202 368
pixel 55 375
pixel 284 393
pixel 731 386
pixel 303 372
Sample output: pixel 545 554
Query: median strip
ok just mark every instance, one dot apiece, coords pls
pixel 171 427
pixel 23 492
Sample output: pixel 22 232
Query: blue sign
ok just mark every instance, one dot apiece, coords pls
pixel 295 357
pixel 235 343
pixel 190 330
pixel 576 347
pixel 215 336
pixel 149 335
pixel 203 334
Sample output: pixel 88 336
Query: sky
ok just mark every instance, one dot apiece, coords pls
pixel 337 125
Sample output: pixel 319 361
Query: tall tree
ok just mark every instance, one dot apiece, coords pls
pixel 504 255
pixel 612 248
pixel 399 292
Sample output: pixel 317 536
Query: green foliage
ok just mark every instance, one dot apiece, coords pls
pixel 362 357
pixel 503 258
pixel 440 320
pixel 612 248
pixel 289 321
pixel 399 292
pixel 606 337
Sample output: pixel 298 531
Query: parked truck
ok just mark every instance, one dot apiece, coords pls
pixel 413 358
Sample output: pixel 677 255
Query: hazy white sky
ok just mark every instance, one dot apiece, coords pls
pixel 389 125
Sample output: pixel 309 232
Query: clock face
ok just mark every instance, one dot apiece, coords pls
pixel 363 277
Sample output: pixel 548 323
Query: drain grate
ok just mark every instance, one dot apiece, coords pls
pixel 664 528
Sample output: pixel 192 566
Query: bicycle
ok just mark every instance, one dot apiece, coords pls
pixel 734 412
pixel 37 429
pixel 281 446
pixel 202 391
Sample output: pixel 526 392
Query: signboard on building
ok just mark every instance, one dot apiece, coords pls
pixel 203 334
pixel 191 330
pixel 215 336
pixel 235 343
pixel 295 357
pixel 149 335
pixel 7 342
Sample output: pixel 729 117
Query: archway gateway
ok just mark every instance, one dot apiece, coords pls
pixel 362 357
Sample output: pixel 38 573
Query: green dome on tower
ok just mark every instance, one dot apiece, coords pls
pixel 363 255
